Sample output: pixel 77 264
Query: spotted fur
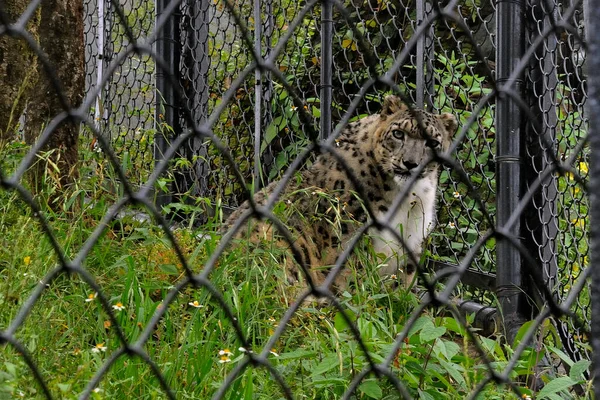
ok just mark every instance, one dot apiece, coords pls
pixel 382 151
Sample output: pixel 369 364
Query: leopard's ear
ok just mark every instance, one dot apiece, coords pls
pixel 392 105
pixel 449 122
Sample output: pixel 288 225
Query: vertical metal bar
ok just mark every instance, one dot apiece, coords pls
pixel 549 221
pixel 195 61
pixel 420 96
pixel 100 64
pixel 509 138
pixel 425 54
pixel 429 58
pixel 108 52
pixel 540 227
pixel 326 67
pixel 201 95
pixel 257 96
pixel 593 60
pixel 166 109
pixel 267 156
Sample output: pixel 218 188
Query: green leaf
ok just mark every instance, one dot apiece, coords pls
pixel 316 112
pixel 11 368
pixel 328 363
pixel 249 390
pixel 491 346
pixel 64 387
pixel 430 332
pixel 452 349
pixel 419 323
pixel 371 389
pixel 555 386
pixel 340 323
pixel 425 396
pixel 328 382
pixel 273 130
pixel 521 333
pixel 454 370
pixel 453 325
pixel 169 269
pixel 578 369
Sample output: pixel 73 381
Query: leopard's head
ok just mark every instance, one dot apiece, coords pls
pixel 408 138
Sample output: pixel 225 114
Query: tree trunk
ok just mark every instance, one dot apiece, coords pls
pixel 18 68
pixel 61 38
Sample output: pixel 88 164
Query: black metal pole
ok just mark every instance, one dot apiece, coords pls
pixel 166 112
pixel 326 66
pixel 108 54
pixel 425 55
pixel 258 90
pixel 193 62
pixel 593 60
pixel 540 225
pixel 267 156
pixel 199 149
pixel 509 139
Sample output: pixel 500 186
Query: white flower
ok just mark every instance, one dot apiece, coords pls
pixel 224 356
pixel 456 195
pixel 225 352
pixel 118 307
pixel 272 351
pixel 91 297
pixel 98 348
pixel 195 304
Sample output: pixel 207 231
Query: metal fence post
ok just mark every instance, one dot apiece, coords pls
pixel 540 227
pixel 425 56
pixel 108 52
pixel 267 157
pixel 167 115
pixel 593 59
pixel 101 61
pixel 198 146
pixel 326 67
pixel 195 62
pixel 509 183
pixel 263 90
pixel 257 95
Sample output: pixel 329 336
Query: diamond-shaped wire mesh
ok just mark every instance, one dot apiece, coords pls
pixel 245 82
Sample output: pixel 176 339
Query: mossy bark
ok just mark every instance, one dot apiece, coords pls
pixel 61 38
pixel 18 67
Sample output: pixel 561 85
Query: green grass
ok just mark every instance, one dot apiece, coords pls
pixel 136 266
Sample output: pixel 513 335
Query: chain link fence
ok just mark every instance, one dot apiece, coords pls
pixel 204 103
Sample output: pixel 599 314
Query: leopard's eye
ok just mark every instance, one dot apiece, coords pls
pixel 398 134
pixel 433 144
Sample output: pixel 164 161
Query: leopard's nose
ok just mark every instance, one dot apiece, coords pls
pixel 410 165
